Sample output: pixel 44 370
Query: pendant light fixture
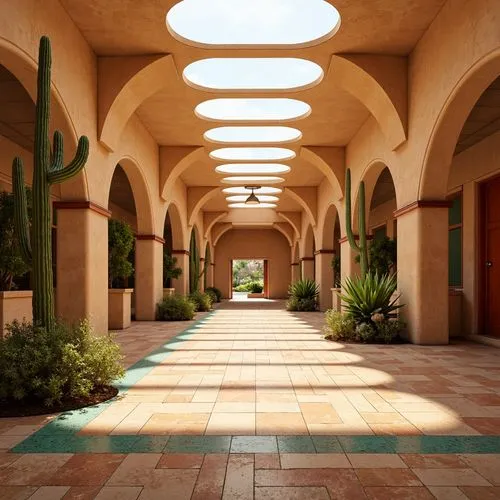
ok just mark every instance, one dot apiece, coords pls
pixel 252 199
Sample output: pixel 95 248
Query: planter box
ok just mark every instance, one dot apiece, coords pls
pixel 256 295
pixel 119 308
pixel 15 305
pixel 167 292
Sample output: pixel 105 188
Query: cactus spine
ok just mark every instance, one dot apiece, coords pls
pixel 48 169
pixel 362 247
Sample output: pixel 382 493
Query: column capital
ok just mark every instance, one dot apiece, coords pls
pixel 421 204
pixel 294 264
pixel 150 237
pixel 82 205
pixel 181 252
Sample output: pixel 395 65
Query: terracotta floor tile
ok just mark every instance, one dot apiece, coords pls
pixel 82 493
pixel 87 469
pixel 231 424
pixel 119 493
pixel 211 478
pixel 267 461
pixel 481 492
pixel 450 477
pixel 387 477
pixel 433 461
pixel 280 424
pixel 402 493
pixel 180 461
pixel 447 493
pixel 239 478
pixel 16 492
pixel 50 493
pixel 292 493
pixel 487 465
pixel 375 460
pixel 314 461
pixel 135 470
pixel 170 483
pixel 176 423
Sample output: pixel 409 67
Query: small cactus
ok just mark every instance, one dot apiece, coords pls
pixel 362 247
pixel 48 169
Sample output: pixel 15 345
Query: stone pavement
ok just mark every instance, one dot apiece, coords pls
pixel 251 402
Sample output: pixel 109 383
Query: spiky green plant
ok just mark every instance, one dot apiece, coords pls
pixel 372 294
pixel 304 289
pixel 362 247
pixel 48 169
pixel 194 265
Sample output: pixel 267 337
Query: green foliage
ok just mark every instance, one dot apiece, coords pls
pixel 336 270
pixel 175 308
pixel 202 301
pixel 212 295
pixel 247 271
pixel 343 327
pixel 194 264
pixel 120 244
pixel 216 291
pixel 303 296
pixel 12 263
pixel 370 297
pixel 251 287
pixel 48 169
pixel 383 255
pixel 361 248
pixel 38 364
pixel 339 326
pixel 170 269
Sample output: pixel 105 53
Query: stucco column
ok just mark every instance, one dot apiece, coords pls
pixel 295 271
pixel 210 277
pixel 307 266
pixel 324 277
pixel 148 275
pixel 82 263
pixel 423 270
pixel 202 277
pixel 181 284
pixel 348 267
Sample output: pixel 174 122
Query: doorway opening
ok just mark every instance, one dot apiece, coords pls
pixel 249 279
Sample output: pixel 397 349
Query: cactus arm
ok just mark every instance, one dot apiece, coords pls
pixel 348 210
pixel 21 223
pixel 58 152
pixel 363 249
pixel 74 167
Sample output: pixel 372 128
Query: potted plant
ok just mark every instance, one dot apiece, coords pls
pixel 120 244
pixel 170 272
pixel 14 303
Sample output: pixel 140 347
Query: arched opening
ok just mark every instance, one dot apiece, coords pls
pixel 173 251
pixel 308 266
pixel 381 224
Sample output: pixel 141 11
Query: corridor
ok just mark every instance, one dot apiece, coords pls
pixel 251 402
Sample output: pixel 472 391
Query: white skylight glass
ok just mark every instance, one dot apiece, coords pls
pixel 252 74
pixel 252 154
pixel 267 109
pixel 265 198
pixel 253 180
pixel 275 23
pixel 257 135
pixel 244 190
pixel 252 168
pixel 260 205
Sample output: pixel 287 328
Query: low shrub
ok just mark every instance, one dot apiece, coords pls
pixel 175 308
pixel 256 287
pixel 216 291
pixel 303 296
pixel 202 301
pixel 339 326
pixel 212 295
pixel 48 366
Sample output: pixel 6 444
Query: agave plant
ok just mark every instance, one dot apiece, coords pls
pixel 304 289
pixel 370 295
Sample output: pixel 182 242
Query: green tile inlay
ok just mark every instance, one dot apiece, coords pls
pixel 254 444
pixel 327 444
pixel 198 444
pixel 295 444
pixel 367 444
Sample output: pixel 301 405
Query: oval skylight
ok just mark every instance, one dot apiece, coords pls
pixel 260 205
pixel 252 154
pixel 246 191
pixel 252 168
pixel 243 23
pixel 244 110
pixel 253 180
pixel 252 74
pixel 265 198
pixel 256 135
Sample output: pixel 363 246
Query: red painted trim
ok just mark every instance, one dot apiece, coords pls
pixel 421 204
pixel 150 237
pixel 356 237
pixel 82 205
pixel 306 258
pixel 325 251
pixel 181 252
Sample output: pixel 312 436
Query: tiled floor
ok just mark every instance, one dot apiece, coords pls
pixel 251 402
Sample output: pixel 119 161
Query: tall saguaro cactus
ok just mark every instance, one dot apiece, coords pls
pixel 48 169
pixel 362 247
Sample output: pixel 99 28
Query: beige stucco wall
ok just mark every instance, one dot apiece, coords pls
pixel 254 244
